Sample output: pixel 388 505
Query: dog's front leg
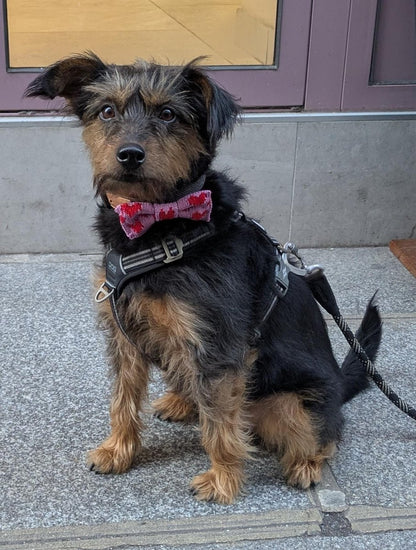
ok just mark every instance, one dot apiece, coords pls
pixel 224 437
pixel 117 453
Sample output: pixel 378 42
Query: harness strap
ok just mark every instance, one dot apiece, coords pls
pixel 120 269
pixel 281 277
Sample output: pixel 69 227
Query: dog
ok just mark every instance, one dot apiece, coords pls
pixel 152 132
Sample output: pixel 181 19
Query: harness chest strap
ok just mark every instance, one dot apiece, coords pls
pixel 120 269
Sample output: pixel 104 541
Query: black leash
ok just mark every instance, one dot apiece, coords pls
pixel 324 295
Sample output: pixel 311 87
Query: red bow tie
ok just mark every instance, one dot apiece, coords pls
pixel 137 217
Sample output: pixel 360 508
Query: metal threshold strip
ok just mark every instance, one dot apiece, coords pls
pixel 249 117
pixel 225 529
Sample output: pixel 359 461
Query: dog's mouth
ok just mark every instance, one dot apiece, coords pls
pixel 130 178
pixel 133 187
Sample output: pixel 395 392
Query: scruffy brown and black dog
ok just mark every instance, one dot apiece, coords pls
pixel 152 133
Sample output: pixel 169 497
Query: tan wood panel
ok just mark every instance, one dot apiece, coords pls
pixel 41 31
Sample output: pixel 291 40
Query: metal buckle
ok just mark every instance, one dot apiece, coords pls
pixel 294 262
pixel 105 293
pixel 169 256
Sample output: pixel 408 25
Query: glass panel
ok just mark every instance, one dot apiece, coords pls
pixel 394 52
pixel 228 32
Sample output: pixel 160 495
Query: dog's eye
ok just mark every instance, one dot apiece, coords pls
pixel 167 115
pixel 107 112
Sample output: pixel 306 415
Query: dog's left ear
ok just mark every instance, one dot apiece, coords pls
pixel 222 109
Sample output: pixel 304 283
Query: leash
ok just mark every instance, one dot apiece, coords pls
pixel 323 294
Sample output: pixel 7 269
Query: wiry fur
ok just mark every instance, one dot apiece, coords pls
pixel 195 317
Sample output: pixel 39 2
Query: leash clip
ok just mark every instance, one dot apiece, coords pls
pixel 294 262
pixel 114 273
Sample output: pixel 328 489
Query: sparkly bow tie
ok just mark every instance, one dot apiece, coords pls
pixel 137 217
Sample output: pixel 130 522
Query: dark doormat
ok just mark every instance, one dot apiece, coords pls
pixel 405 250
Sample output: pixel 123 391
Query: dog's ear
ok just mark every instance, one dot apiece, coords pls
pixel 66 78
pixel 222 109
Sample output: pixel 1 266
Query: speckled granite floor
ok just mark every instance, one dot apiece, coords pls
pixel 54 394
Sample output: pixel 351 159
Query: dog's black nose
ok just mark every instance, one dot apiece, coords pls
pixel 131 156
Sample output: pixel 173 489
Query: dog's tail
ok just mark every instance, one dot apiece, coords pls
pixel 369 336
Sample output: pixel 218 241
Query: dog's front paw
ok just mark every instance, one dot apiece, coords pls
pixel 217 485
pixel 305 473
pixel 113 456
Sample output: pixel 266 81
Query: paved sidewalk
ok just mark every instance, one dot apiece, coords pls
pixel 54 394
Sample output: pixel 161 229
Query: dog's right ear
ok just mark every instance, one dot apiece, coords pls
pixel 66 78
pixel 221 107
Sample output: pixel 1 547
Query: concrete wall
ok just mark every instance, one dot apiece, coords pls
pixel 317 180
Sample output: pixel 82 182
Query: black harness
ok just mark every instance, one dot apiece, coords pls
pixel 120 269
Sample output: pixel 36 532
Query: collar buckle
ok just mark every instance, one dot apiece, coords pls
pixel 173 247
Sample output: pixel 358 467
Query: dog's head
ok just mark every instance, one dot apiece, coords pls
pixel 149 128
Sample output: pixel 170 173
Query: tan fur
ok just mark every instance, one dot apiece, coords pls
pixel 173 406
pixel 117 453
pixel 167 161
pixel 118 90
pixel 225 437
pixel 283 423
pixel 173 329
pixel 168 331
pixel 157 89
pixel 170 160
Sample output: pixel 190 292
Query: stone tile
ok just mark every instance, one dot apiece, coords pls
pixel 47 196
pixel 387 541
pixel 48 201
pixel 355 274
pixel 374 464
pixel 261 157
pixel 354 183
pixel 54 395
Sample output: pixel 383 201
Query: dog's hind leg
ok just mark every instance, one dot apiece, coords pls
pixel 225 438
pixel 117 453
pixel 284 423
pixel 173 407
